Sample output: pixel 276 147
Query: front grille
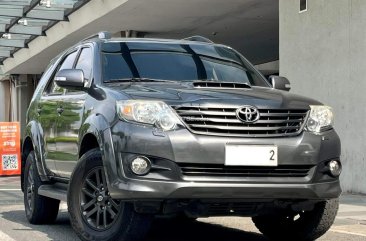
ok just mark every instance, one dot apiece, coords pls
pixel 216 170
pixel 224 121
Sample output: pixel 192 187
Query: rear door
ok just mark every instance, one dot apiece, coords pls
pixel 71 118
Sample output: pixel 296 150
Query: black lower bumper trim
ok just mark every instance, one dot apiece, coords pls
pixel 138 189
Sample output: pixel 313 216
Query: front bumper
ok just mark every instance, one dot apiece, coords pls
pixel 145 190
pixel 169 150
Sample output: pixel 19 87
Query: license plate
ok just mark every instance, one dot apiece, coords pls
pixel 251 155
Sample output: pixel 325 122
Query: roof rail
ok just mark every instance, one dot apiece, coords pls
pixel 198 39
pixel 100 35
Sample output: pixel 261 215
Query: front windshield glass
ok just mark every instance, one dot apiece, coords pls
pixel 176 62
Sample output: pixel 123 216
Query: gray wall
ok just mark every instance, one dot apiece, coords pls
pixel 323 54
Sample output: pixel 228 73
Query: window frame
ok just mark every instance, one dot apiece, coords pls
pixel 46 91
pixel 91 63
pixel 80 49
pixel 306 6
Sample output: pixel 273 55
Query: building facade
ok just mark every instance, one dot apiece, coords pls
pixel 322 53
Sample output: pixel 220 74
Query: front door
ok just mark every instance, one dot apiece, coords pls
pixel 68 127
pixel 47 116
pixel 71 118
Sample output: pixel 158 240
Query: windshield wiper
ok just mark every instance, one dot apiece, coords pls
pixel 135 79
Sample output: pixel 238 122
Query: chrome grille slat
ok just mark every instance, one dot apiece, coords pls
pixel 203 112
pixel 217 120
pixel 225 120
pixel 222 121
pixel 243 128
pixel 281 114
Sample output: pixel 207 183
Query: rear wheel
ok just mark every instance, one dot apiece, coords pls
pixel 305 225
pixel 94 214
pixel 38 209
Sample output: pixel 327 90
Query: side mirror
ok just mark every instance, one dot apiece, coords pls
pixel 280 83
pixel 70 78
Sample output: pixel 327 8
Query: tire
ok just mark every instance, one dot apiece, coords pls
pixel 305 226
pixel 38 209
pixel 94 214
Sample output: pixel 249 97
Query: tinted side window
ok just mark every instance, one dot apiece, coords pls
pixel 66 64
pixel 85 62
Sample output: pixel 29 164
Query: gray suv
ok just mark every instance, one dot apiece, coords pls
pixel 125 130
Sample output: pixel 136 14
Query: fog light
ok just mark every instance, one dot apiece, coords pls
pixel 335 168
pixel 140 165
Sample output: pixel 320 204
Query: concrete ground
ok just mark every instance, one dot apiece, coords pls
pixel 350 224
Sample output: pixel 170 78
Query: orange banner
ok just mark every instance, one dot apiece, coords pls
pixel 10 160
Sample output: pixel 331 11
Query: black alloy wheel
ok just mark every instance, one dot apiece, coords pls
pixel 38 209
pixel 30 190
pixel 98 209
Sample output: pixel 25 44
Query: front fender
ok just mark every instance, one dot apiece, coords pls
pixel 98 126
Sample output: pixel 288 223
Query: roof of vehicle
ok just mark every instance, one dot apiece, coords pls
pixel 157 40
pixel 104 37
pixel 107 37
pixel 197 40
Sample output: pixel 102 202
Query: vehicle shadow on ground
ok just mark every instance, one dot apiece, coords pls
pixel 162 229
pixel 168 230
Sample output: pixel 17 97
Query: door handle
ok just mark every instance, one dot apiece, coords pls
pixel 60 110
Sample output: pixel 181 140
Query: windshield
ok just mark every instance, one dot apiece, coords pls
pixel 176 62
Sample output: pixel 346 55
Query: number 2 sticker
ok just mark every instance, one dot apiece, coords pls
pixel 272 153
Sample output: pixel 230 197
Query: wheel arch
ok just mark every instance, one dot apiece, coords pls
pixel 27 147
pixel 88 142
pixel 91 133
pixel 33 141
pixel 96 132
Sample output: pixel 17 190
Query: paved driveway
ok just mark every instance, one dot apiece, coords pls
pixel 350 224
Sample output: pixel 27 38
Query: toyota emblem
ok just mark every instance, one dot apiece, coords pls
pixel 247 114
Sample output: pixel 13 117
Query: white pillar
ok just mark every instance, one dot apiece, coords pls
pixel 21 93
pixel 4 100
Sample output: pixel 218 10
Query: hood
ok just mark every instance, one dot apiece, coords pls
pixel 187 94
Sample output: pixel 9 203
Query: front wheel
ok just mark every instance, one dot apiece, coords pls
pixel 94 214
pixel 305 225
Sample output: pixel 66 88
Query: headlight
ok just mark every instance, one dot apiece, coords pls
pixel 320 118
pixel 148 112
